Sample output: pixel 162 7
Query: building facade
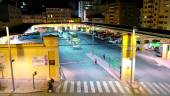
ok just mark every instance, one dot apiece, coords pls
pixel 11 15
pixel 83 7
pixel 54 15
pixel 156 14
pixel 41 58
pixel 33 19
pixel 122 13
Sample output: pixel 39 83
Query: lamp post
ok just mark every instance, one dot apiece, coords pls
pixel 92 29
pixel 133 56
pixel 10 58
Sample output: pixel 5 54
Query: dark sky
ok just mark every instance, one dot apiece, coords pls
pixel 35 6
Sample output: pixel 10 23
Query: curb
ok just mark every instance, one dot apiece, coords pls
pixel 22 92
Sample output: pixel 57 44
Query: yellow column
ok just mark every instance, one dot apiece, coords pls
pixel 168 55
pixel 51 43
pixel 165 51
pixel 128 53
pixel 142 43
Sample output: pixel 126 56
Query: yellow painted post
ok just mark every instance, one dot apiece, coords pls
pixel 168 54
pixel 142 43
pixel 165 51
pixel 127 56
pixel 51 43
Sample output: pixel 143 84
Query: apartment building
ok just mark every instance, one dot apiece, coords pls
pixel 122 13
pixel 156 14
pixel 54 15
pixel 11 15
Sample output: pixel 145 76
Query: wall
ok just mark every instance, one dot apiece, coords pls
pixel 25 54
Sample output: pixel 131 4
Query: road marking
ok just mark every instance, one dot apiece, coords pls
pixel 106 87
pixel 72 87
pixel 136 91
pixel 158 87
pixel 112 87
pixel 58 88
pixel 128 90
pixel 142 90
pixel 119 87
pixel 99 87
pixel 85 87
pixel 78 86
pixel 153 88
pixel 65 86
pixel 146 88
pixel 164 87
pixel 92 86
pixel 167 85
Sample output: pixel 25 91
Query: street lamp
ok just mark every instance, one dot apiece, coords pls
pixel 133 56
pixel 92 29
pixel 10 58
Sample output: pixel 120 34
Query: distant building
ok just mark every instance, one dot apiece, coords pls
pixel 156 14
pixel 33 19
pixel 83 6
pixel 10 15
pixel 75 19
pixel 122 13
pixel 97 18
pixel 54 15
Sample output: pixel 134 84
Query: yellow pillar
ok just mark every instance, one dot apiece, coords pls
pixel 142 43
pixel 166 52
pixel 51 43
pixel 168 55
pixel 128 57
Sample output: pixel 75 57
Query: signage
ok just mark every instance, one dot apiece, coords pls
pixel 39 60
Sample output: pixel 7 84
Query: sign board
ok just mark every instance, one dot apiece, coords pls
pixel 39 60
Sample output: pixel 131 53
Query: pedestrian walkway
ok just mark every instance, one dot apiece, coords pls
pixel 148 55
pixel 104 65
pixel 113 87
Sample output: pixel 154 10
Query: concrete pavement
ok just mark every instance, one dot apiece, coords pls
pixel 148 55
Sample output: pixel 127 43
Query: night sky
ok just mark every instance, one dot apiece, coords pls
pixel 37 6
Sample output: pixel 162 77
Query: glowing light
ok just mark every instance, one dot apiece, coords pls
pixel 23 3
pixel 22 7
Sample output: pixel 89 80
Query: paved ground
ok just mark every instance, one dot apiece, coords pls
pixel 75 59
pixel 77 66
pixel 104 88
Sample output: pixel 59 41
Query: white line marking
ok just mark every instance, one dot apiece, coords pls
pixel 136 91
pixel 142 90
pixel 99 87
pixel 119 87
pixel 167 85
pixel 78 86
pixel 158 87
pixel 85 87
pixel 72 87
pixel 153 88
pixel 112 87
pixel 128 90
pixel 146 88
pixel 106 87
pixel 65 86
pixel 58 88
pixel 164 87
pixel 92 86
